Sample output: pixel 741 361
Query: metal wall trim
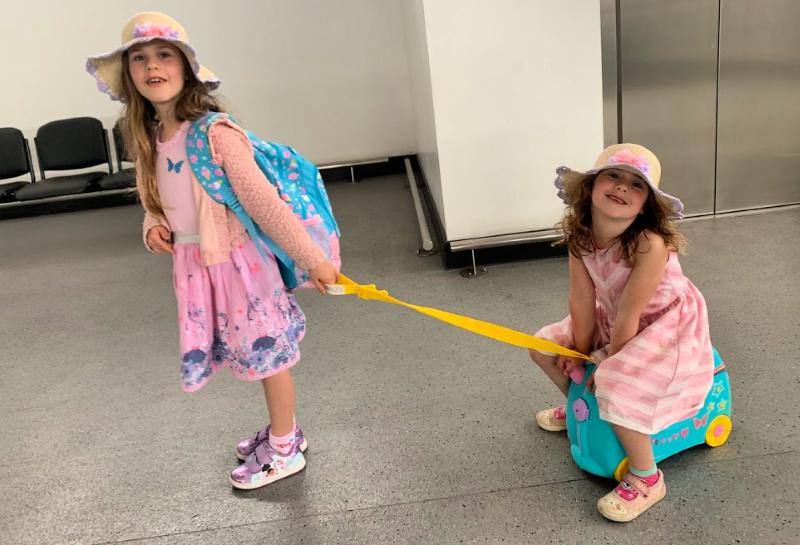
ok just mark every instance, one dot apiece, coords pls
pixel 612 88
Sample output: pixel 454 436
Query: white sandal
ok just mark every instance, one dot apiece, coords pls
pixel 554 419
pixel 615 507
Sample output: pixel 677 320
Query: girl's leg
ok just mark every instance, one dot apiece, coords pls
pixel 555 418
pixel 548 365
pixel 280 394
pixel 280 397
pixel 638 448
pixel 280 455
pixel 642 488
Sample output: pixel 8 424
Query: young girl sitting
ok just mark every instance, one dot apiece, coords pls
pixel 233 308
pixel 633 311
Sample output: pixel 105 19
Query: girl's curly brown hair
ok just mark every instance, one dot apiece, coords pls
pixel 576 225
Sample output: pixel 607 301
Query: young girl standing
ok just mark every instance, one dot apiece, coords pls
pixel 233 308
pixel 631 308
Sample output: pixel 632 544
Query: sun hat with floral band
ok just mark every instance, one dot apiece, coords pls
pixel 141 28
pixel 631 157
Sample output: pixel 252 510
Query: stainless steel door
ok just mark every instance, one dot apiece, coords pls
pixel 758 162
pixel 668 77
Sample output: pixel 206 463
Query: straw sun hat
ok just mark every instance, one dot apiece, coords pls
pixel 142 28
pixel 631 157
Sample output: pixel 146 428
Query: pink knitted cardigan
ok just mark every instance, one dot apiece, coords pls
pixel 220 229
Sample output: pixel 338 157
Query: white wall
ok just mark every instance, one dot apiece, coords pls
pixel 420 78
pixel 504 91
pixel 328 77
pixel 517 91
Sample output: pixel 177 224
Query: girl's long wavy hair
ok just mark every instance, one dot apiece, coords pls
pixel 576 225
pixel 140 126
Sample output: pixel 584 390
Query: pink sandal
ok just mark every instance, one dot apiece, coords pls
pixel 632 497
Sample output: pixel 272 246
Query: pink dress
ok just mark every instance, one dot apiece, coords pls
pixel 660 376
pixel 235 314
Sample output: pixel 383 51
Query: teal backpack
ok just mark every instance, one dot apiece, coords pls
pixel 296 179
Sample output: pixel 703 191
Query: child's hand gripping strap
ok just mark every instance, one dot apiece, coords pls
pixel 216 184
pixel 500 333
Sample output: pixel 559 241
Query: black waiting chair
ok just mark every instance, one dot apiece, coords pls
pixel 68 144
pixel 15 160
pixel 123 177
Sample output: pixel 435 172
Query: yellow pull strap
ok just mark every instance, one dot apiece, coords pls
pixel 487 329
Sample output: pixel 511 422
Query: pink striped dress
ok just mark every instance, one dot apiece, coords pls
pixel 660 376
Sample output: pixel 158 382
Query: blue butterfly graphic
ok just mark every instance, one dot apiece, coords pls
pixel 174 166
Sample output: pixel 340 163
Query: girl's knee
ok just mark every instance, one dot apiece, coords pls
pixel 277 377
pixel 540 359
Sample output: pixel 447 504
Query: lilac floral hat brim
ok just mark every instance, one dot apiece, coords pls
pixel 142 28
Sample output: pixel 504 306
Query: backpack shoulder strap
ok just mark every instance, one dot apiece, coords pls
pixel 214 181
pixel 198 151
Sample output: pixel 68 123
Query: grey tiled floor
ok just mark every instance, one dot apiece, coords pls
pixel 419 433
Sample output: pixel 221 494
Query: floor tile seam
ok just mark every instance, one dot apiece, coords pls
pixel 403 504
pixel 335 512
pixel 4 466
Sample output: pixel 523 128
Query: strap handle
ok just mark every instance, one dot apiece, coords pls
pixel 345 286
